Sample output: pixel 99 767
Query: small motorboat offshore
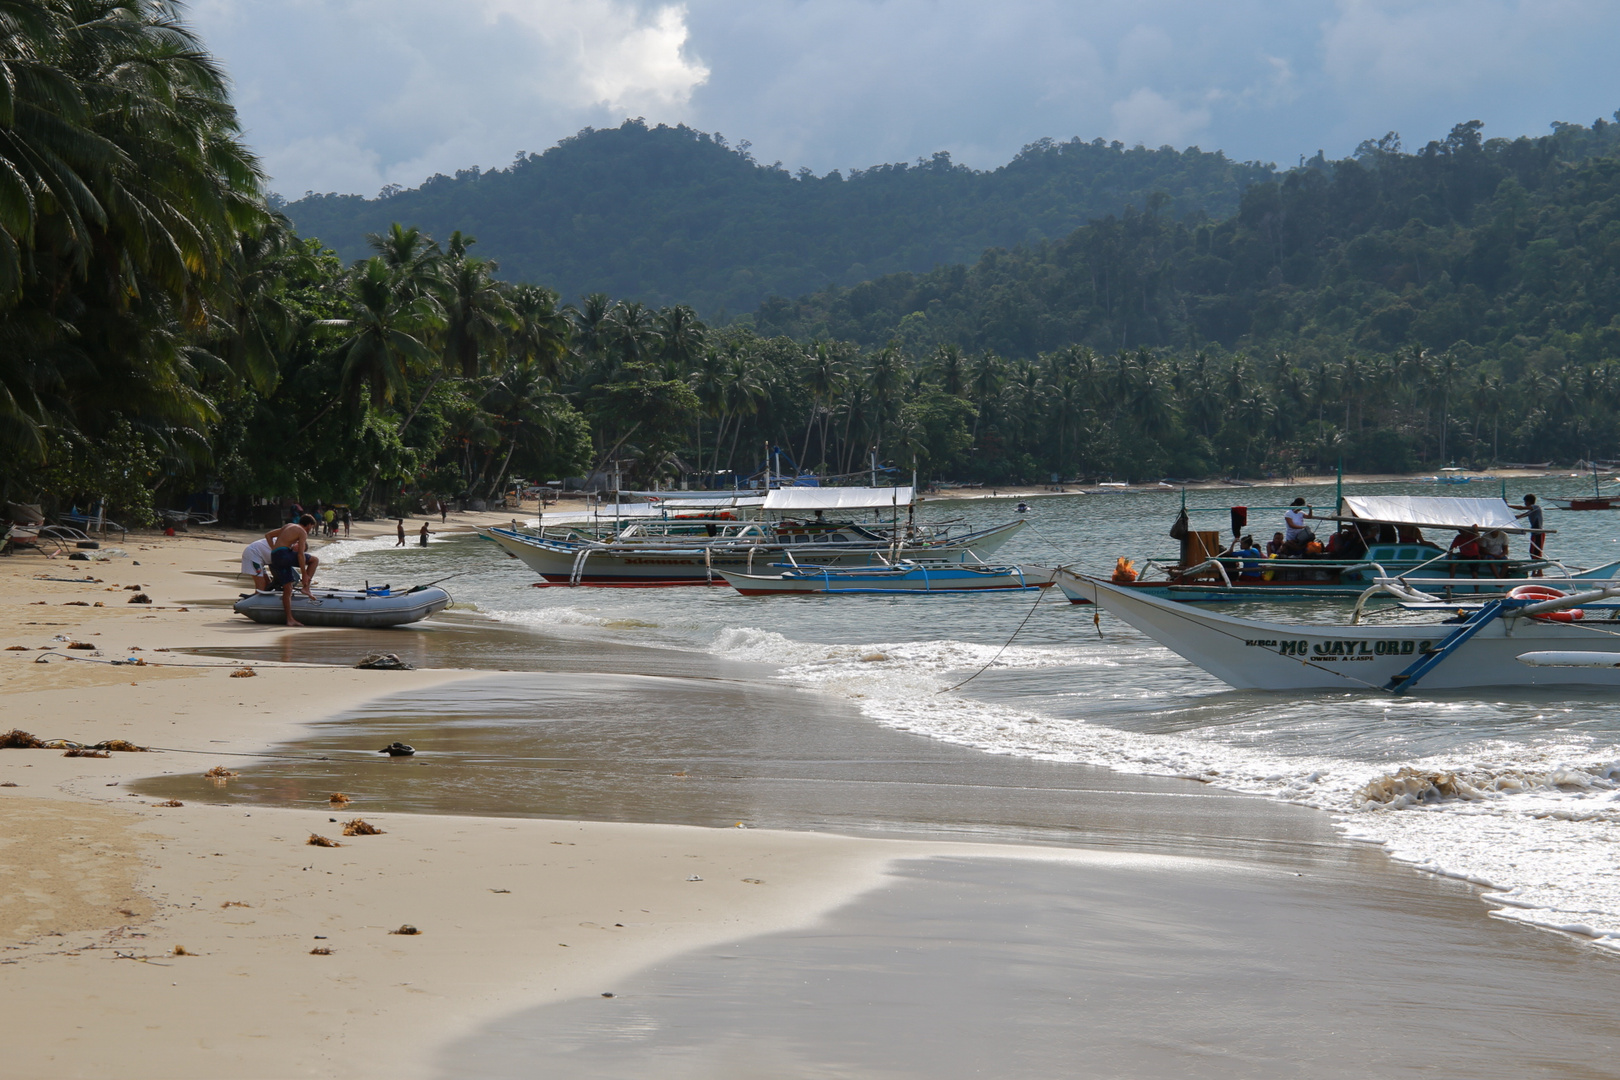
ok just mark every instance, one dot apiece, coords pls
pixel 1536 636
pixel 904 576
pixel 369 608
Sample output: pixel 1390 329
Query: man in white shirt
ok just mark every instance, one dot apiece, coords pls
pixel 1295 533
pixel 256 563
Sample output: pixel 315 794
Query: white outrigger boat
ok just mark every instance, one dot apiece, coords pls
pixel 1205 574
pixel 699 550
pixel 369 608
pixel 904 577
pixel 1537 638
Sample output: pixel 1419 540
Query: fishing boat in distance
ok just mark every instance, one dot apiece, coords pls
pixel 694 549
pixel 1382 538
pixel 1595 501
pixel 907 576
pixel 1534 640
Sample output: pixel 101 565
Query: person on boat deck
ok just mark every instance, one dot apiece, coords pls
pixel 1465 549
pixel 1347 543
pixel 1538 537
pixel 1493 546
pixel 1408 534
pixel 1249 568
pixel 1274 549
pixel 1296 535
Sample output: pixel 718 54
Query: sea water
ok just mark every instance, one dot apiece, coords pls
pixel 1516 791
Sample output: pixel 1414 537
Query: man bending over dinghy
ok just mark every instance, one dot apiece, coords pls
pixel 291 563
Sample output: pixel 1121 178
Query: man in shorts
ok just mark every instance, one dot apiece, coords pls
pixel 1534 519
pixel 291 563
pixel 256 563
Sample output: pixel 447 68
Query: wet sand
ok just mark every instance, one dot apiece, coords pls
pixel 1112 967
pixel 1112 926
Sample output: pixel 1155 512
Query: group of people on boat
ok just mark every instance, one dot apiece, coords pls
pixel 1475 551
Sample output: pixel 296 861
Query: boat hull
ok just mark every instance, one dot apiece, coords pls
pixel 1252 654
pixel 558 561
pixel 351 608
pixel 1354 585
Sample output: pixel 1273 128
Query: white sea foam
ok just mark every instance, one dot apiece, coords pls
pixel 1537 825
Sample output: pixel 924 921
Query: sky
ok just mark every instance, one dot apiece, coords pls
pixel 350 95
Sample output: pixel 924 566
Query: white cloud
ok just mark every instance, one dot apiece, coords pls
pixel 1148 117
pixel 350 94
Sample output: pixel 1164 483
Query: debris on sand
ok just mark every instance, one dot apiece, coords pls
pixel 360 827
pixel 407 931
pixel 235 903
pixel 80 645
pixel 383 661
pixel 337 798
pixel 170 802
pixel 77 603
pixel 244 673
pixel 122 746
pixel 220 773
pixel 140 598
pixel 398 749
pixel 317 840
pixel 8 783
pixel 16 648
pixel 180 950
pixel 85 751
pixel 17 739
pixel 320 950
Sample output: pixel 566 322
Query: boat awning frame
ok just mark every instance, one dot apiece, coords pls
pixel 1433 512
pixel 839 498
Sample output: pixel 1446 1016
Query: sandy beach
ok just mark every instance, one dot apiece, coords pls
pixel 146 940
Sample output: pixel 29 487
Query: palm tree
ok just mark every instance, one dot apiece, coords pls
pixel 823 375
pixel 540 336
pixel 681 335
pixel 476 312
pixel 384 334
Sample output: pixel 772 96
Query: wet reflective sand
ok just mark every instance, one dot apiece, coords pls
pixel 1286 952
pixel 1019 969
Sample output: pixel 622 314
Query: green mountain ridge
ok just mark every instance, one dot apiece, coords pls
pixel 1508 245
pixel 671 215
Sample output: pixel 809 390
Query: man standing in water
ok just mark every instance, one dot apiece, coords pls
pixel 401 532
pixel 1538 535
pixel 424 533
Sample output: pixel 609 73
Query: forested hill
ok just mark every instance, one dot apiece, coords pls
pixel 1507 251
pixel 671 215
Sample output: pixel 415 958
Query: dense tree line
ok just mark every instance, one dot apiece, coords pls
pixel 1462 301
pixel 671 215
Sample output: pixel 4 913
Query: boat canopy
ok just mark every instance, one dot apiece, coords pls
pixel 1433 512
pixel 838 498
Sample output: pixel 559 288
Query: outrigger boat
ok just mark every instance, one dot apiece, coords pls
pixel 906 576
pixel 1206 574
pixel 698 550
pixel 1535 636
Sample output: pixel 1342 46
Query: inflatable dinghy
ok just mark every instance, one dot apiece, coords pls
pixel 368 608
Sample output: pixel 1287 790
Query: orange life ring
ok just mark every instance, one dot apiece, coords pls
pixel 1547 592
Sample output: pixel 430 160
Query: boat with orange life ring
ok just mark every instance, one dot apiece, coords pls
pixel 1547 592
